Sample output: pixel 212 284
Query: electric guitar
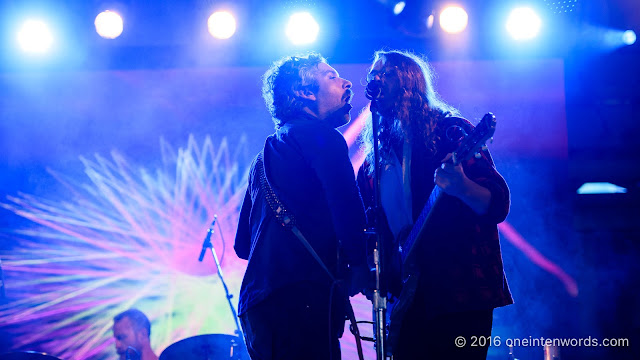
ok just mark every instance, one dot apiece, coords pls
pixel 469 146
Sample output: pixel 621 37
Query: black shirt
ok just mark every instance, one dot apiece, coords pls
pixel 307 164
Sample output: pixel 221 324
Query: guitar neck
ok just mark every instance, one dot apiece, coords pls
pixel 469 145
pixel 408 246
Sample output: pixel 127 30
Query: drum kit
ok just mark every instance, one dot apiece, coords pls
pixel 200 347
pixel 207 347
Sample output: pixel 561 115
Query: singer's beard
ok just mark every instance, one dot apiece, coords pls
pixel 341 116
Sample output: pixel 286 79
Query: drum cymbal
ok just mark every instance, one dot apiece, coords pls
pixel 27 355
pixel 206 347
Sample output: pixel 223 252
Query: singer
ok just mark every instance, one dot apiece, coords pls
pixel 286 295
pixel 458 278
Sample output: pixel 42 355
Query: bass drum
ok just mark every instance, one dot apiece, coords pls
pixel 207 347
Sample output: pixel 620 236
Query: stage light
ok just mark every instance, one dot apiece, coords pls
pixel 523 23
pixel 109 24
pixel 453 19
pixel 430 21
pixel 629 37
pixel 609 39
pixel 600 188
pixel 35 37
pixel 302 28
pixel 222 25
pixel 398 7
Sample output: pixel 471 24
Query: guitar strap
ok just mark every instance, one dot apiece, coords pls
pixel 288 221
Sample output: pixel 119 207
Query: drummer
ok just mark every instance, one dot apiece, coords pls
pixel 131 331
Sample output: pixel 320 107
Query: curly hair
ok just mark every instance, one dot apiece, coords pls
pixel 416 112
pixel 280 82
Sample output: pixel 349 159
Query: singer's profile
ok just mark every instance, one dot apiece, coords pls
pixel 302 200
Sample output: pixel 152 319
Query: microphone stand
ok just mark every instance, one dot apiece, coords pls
pixel 207 244
pixel 379 294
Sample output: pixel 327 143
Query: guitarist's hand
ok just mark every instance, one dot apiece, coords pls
pixel 453 181
pixel 451 178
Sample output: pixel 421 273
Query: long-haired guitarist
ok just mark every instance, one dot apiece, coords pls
pixel 444 263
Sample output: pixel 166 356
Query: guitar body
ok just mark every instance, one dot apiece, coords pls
pixel 468 147
pixel 400 307
pixel 410 269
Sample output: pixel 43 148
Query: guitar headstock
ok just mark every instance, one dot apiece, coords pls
pixel 474 142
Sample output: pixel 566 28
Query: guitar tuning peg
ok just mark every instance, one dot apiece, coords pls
pixel 491 140
pixel 478 155
pixel 485 147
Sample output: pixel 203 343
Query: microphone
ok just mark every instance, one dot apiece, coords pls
pixel 128 353
pixel 373 89
pixel 207 240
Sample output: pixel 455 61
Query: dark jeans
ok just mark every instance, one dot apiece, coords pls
pixel 438 337
pixel 294 323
